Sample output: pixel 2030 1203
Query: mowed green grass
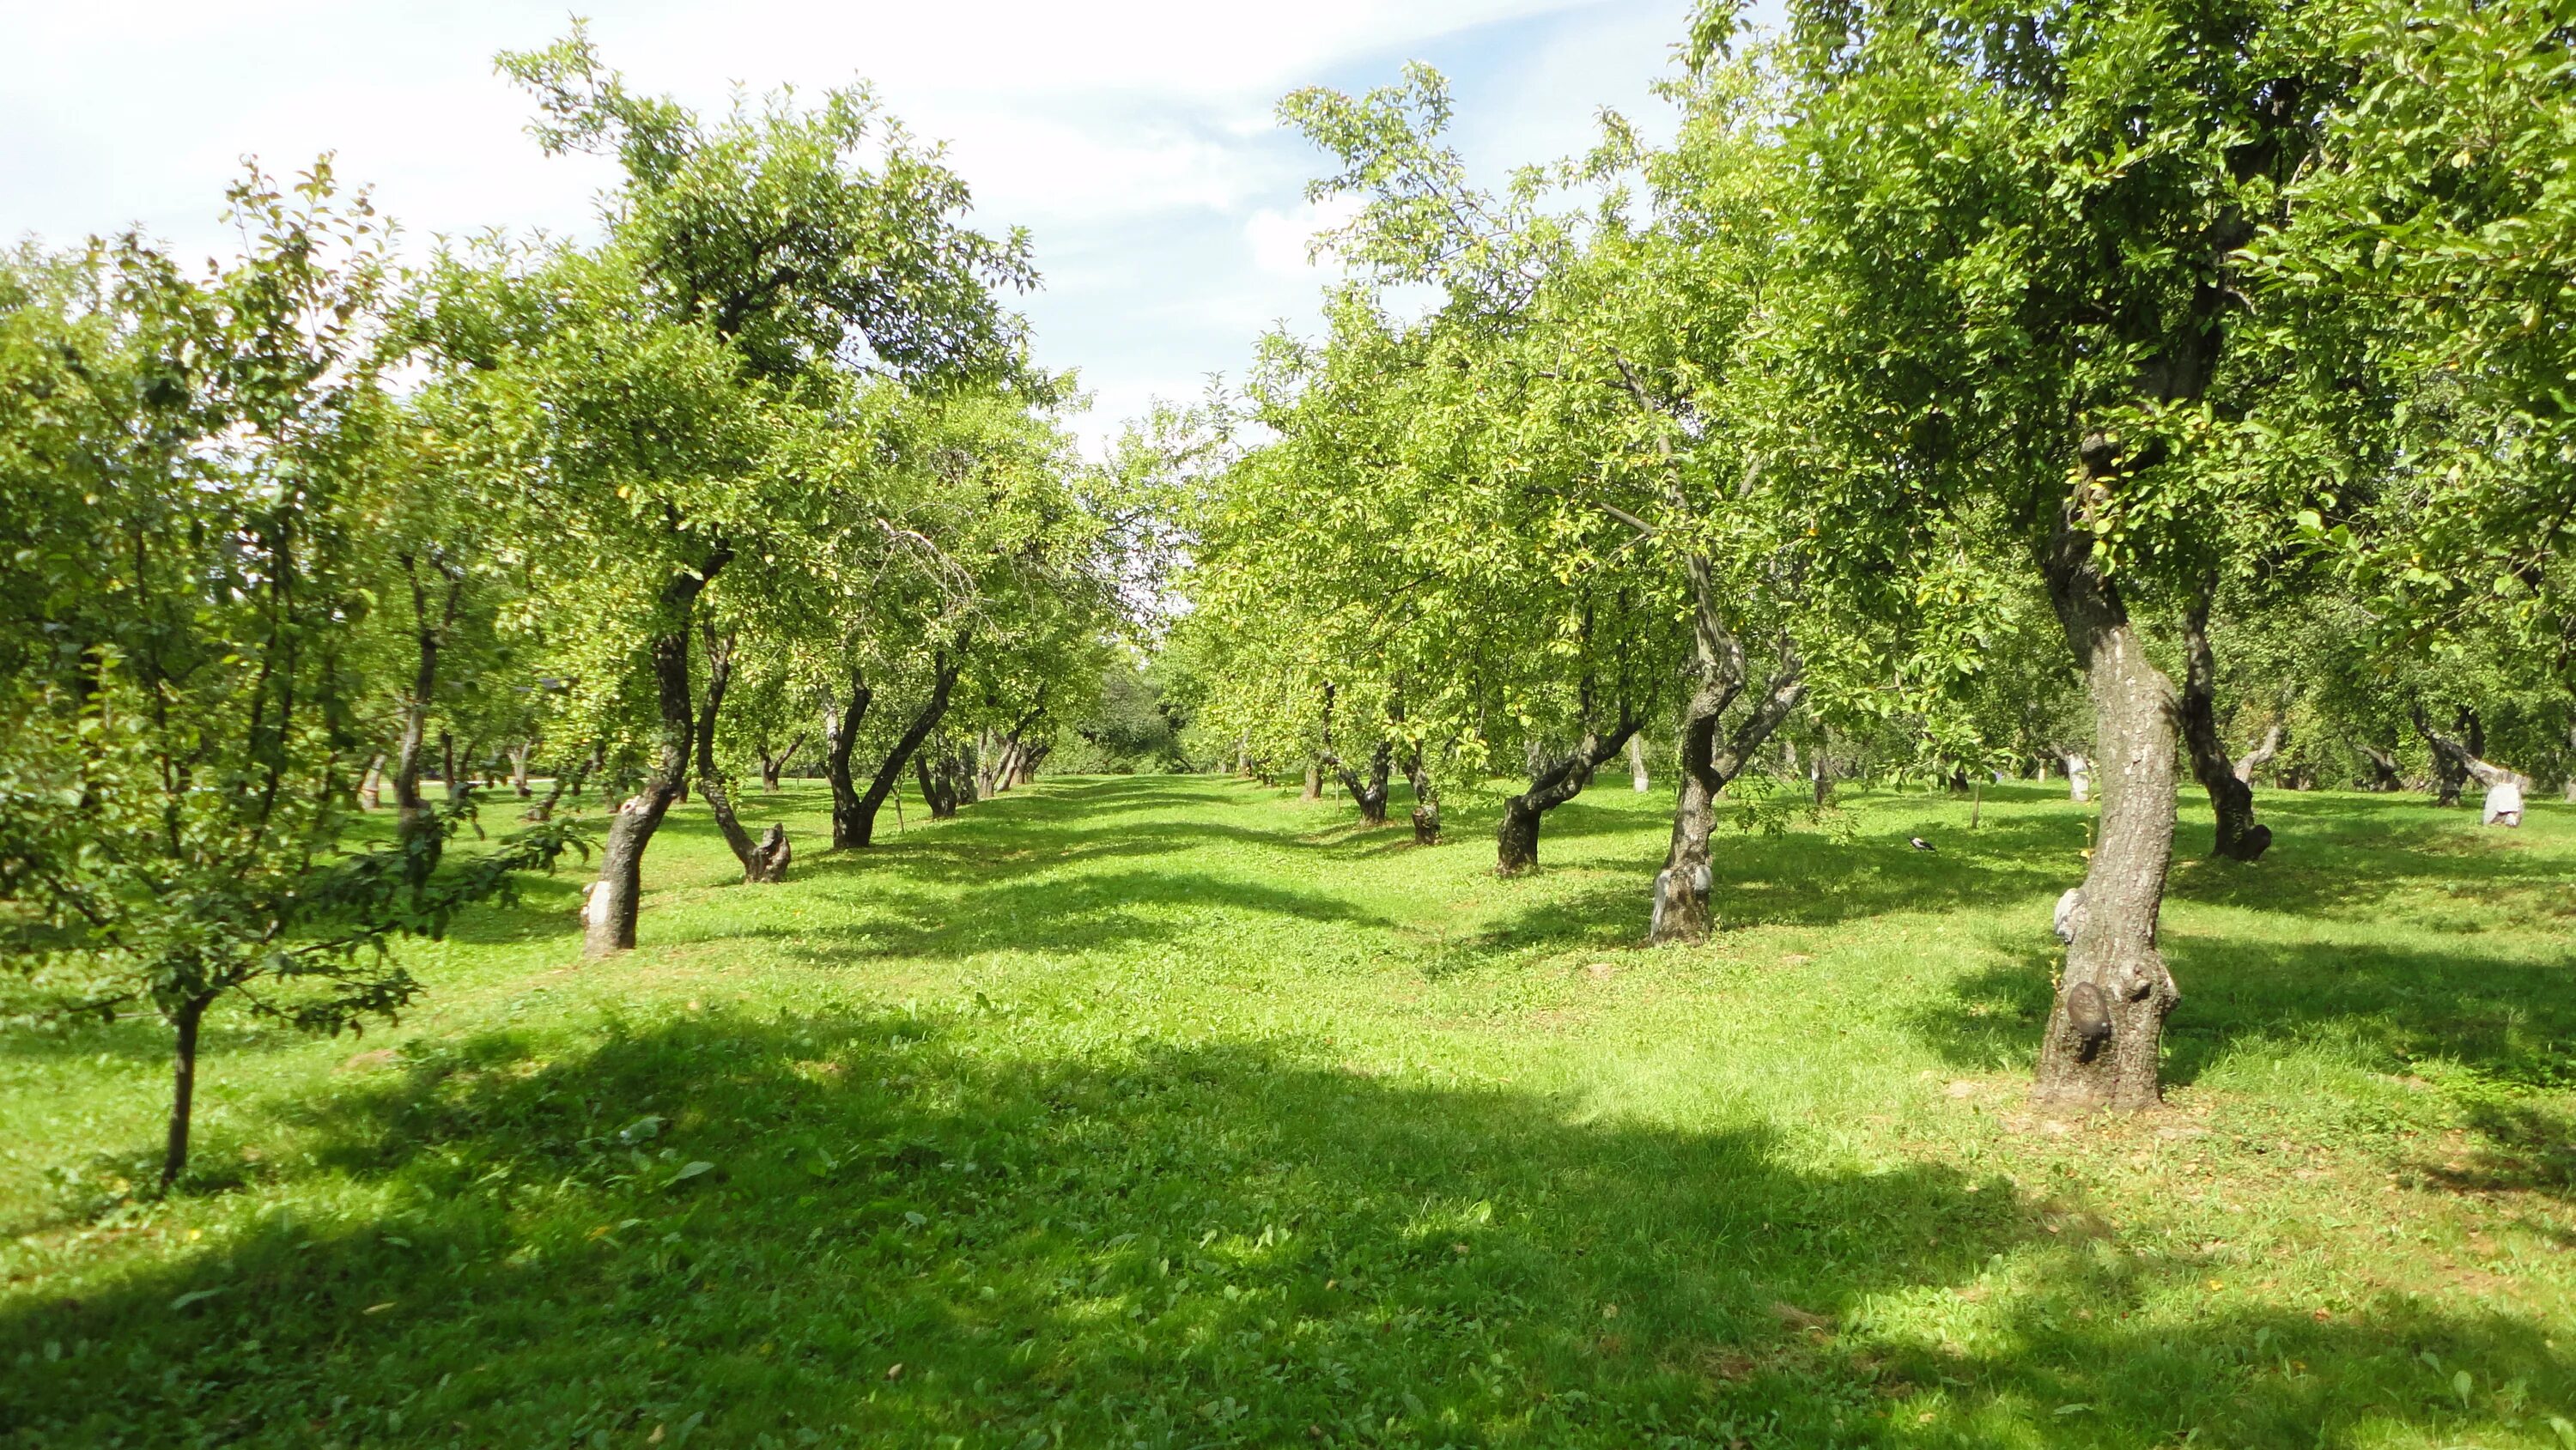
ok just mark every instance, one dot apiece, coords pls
pixel 1177 1112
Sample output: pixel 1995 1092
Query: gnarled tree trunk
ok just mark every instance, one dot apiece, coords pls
pixel 1683 911
pixel 609 917
pixel 2240 837
pixel 2450 768
pixel 1426 802
pixel 2106 1029
pixel 1558 781
pixel 1369 793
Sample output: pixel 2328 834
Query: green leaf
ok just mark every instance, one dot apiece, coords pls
pixel 691 1171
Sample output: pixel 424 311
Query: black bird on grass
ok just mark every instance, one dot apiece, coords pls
pixel 1918 843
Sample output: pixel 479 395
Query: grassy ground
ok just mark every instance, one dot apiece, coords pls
pixel 1166 1112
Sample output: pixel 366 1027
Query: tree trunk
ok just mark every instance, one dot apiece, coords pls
pixel 1426 803
pixel 1638 780
pixel 763 861
pixel 1314 790
pixel 943 783
pixel 924 720
pixel 1682 908
pixel 2079 779
pixel 2384 774
pixel 183 1088
pixel 2230 798
pixel 2450 762
pixel 1681 897
pixel 2263 752
pixel 519 768
pixel 1558 781
pixel 617 896
pixel 773 766
pixel 2106 1028
pixel 846 831
pixel 371 786
pixel 1370 794
pixel 2504 786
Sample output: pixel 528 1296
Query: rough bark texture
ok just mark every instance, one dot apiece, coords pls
pixel 618 894
pixel 2106 1029
pixel 1426 803
pixel 2231 800
pixel 1369 793
pixel 890 771
pixel 846 831
pixel 944 778
pixel 764 860
pixel 1555 783
pixel 183 1088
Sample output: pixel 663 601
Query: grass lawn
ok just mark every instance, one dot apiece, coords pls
pixel 1176 1112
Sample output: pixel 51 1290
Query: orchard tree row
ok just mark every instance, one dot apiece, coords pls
pixel 761 475
pixel 2182 390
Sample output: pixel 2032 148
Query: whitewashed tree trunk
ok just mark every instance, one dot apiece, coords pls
pixel 2079 779
pixel 2504 786
pixel 1639 780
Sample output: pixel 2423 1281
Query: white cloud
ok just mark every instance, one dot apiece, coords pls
pixel 1134 137
pixel 1283 241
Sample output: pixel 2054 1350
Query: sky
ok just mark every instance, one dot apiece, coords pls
pixel 1135 139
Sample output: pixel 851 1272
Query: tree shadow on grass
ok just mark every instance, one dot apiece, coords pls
pixel 897 1234
pixel 2510 1021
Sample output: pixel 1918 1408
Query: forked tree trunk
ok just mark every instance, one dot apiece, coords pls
pixel 519 768
pixel 1555 783
pixel 846 831
pixel 189 1015
pixel 773 766
pixel 890 771
pixel 765 860
pixel 1683 911
pixel 609 916
pixel 1369 793
pixel 2106 1028
pixel 2231 800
